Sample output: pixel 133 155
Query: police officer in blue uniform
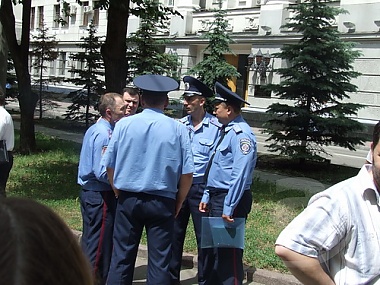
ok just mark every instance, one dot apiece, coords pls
pixel 97 199
pixel 203 129
pixel 229 177
pixel 150 165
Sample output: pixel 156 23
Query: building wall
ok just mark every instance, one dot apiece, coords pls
pixel 254 25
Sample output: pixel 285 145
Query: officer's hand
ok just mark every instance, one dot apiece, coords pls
pixel 228 218
pixel 203 207
pixel 116 191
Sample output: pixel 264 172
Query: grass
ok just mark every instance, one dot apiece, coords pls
pixel 49 176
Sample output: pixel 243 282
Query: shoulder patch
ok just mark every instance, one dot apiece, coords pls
pixel 237 129
pixel 245 146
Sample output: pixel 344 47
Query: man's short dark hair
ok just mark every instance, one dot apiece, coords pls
pixel 131 91
pixel 154 100
pixel 107 101
pixel 376 135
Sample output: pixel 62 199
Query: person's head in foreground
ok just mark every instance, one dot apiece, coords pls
pixel 131 98
pixel 195 95
pixel 37 247
pixel 112 107
pixel 227 104
pixel 154 90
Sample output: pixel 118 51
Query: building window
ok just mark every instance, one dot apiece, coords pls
pixel 56 16
pixel 32 17
pixel 52 68
pixel 171 3
pixel 95 18
pixel 261 92
pixel 40 16
pixel 62 63
pixel 86 13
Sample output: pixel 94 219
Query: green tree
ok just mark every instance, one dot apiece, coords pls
pixel 317 80
pixel 214 67
pixel 145 52
pixel 44 51
pixel 113 50
pixel 19 49
pixel 89 73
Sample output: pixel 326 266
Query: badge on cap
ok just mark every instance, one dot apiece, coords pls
pixel 245 146
pixel 187 86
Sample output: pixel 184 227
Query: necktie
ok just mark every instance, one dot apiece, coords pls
pixel 222 134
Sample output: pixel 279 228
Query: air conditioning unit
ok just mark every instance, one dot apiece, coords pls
pixel 87 9
pixel 73 9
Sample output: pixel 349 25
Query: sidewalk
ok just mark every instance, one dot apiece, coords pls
pixel 189 273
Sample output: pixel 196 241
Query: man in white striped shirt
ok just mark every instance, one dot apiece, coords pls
pixel 336 239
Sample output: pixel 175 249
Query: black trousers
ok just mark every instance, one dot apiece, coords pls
pixel 224 266
pixel 135 211
pixel 5 168
pixel 189 207
pixel 98 213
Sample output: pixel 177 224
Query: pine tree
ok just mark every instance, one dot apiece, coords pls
pixel 44 51
pixel 317 80
pixel 145 52
pixel 90 72
pixel 214 67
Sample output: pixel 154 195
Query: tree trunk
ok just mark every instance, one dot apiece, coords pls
pixel 3 59
pixel 19 54
pixel 114 48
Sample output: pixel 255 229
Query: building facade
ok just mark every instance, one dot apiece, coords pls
pixel 254 26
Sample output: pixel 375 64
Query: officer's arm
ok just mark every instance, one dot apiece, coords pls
pixel 184 185
pixel 306 269
pixel 110 173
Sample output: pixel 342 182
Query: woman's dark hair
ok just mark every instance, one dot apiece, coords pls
pixel 37 247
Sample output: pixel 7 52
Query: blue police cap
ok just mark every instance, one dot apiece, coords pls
pixel 223 94
pixel 195 87
pixel 153 84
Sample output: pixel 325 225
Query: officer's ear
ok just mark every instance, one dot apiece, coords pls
pixel 108 113
pixel 202 101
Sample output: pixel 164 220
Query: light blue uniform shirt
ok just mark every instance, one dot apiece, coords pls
pixel 202 141
pixel 149 152
pixel 91 174
pixel 233 164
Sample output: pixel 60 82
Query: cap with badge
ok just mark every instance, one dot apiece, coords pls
pixel 153 84
pixel 195 87
pixel 223 94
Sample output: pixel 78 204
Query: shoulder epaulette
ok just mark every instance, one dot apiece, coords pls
pixel 215 122
pixel 237 128
pixel 183 120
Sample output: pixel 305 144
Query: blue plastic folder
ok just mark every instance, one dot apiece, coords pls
pixel 218 233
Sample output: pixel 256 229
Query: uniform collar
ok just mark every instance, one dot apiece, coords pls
pixel 235 121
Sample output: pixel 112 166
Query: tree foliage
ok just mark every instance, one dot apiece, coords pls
pixel 19 49
pixel 317 80
pixel 146 52
pixel 89 72
pixel 44 51
pixel 214 67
